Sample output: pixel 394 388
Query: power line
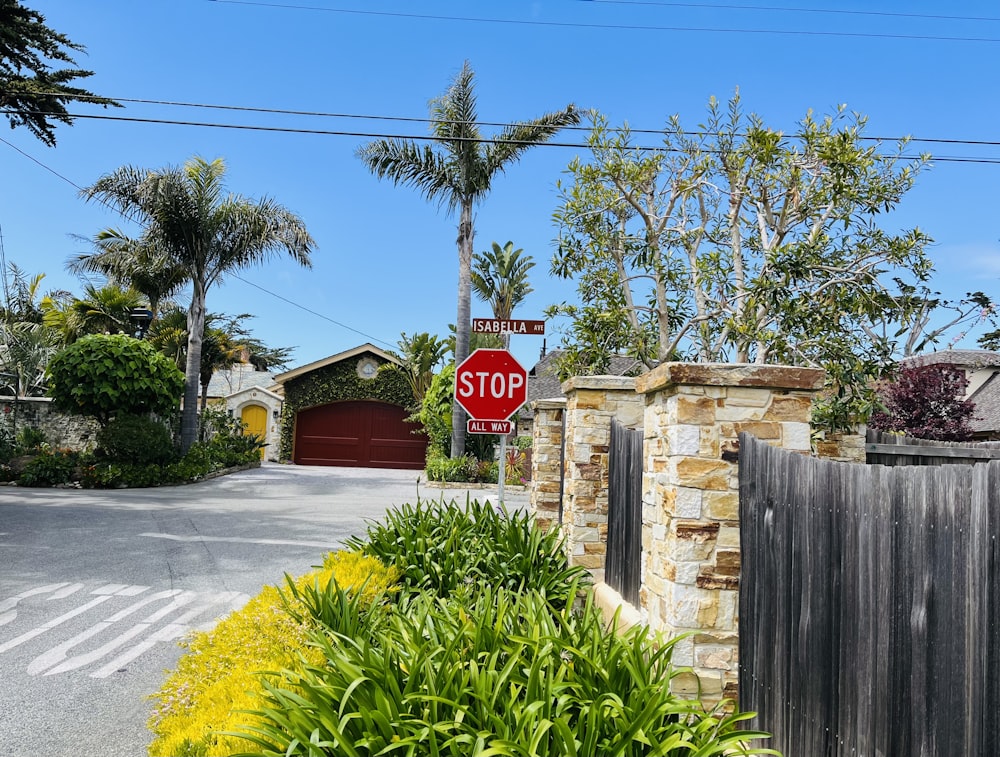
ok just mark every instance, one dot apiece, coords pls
pixel 431 138
pixel 437 121
pixel 619 27
pixel 832 11
pixel 245 281
pixel 313 312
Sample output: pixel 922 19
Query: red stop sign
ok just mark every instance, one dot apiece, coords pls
pixel 491 385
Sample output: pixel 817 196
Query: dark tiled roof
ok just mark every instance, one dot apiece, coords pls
pixel 224 383
pixel 986 418
pixel 544 383
pixel 964 358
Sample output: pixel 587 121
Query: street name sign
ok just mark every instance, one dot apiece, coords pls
pixel 503 428
pixel 491 385
pixel 513 326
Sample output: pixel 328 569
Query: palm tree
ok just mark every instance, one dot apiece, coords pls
pixel 133 264
pixel 218 352
pixel 500 278
pixel 186 216
pixel 420 355
pixel 26 343
pixel 103 310
pixel 457 173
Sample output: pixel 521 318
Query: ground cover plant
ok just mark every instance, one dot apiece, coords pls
pixel 442 547
pixel 490 645
pixel 219 677
pixel 486 672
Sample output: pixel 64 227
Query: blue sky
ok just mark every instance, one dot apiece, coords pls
pixel 385 260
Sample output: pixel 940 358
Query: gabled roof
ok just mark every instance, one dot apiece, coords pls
pixel 338 358
pixel 544 383
pixel 986 417
pixel 241 376
pixel 263 390
pixel 971 359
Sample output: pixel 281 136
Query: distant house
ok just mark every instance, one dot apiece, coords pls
pixel 544 383
pixel 350 409
pixel 254 398
pixel 981 368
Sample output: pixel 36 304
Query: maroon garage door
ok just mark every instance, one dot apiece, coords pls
pixel 363 434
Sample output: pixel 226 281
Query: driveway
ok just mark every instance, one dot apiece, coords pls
pixel 96 587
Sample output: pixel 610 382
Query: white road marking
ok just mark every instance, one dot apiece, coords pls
pixel 167 633
pixel 52 624
pixel 188 605
pixel 242 540
pixel 65 591
pixel 7 613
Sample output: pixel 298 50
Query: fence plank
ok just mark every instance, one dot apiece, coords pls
pixel 623 559
pixel 870 605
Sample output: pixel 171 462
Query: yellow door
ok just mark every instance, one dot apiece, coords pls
pixel 255 419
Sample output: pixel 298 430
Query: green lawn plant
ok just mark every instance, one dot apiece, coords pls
pixel 219 678
pixel 494 672
pixel 440 547
pixel 487 644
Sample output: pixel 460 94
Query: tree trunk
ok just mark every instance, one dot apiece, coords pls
pixel 192 373
pixel 463 323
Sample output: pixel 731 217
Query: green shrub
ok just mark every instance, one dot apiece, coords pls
pixel 50 467
pixel 442 547
pixel 30 439
pixel 220 677
pixel 136 439
pixel 465 469
pixel 106 375
pixel 502 674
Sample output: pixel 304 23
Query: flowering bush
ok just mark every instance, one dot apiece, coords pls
pixel 220 677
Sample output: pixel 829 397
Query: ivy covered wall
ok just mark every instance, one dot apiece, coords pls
pixel 338 382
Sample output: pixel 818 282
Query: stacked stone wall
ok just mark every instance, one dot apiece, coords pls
pixel 591 403
pixel 691 535
pixel 70 431
pixel 545 486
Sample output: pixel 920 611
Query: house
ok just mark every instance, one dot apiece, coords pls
pixel 544 383
pixel 350 409
pixel 981 368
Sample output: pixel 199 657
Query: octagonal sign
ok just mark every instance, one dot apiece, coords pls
pixel 491 385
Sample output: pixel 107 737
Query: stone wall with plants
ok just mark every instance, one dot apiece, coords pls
pixel 336 383
pixel 75 432
pixel 692 415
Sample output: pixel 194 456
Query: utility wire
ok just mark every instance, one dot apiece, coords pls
pixel 438 121
pixel 234 275
pixel 619 27
pixel 431 138
pixel 837 11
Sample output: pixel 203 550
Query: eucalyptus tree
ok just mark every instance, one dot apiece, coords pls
pixel 33 93
pixel 738 242
pixel 500 278
pixel 186 214
pixel 456 169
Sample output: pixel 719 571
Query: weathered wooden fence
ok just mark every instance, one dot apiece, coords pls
pixel 624 552
pixel 870 606
pixel 882 448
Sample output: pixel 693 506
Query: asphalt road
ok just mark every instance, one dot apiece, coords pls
pixel 96 587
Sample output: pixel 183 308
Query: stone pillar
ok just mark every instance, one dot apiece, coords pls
pixel 842 447
pixel 545 486
pixel 591 403
pixel 690 530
